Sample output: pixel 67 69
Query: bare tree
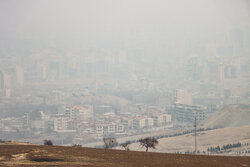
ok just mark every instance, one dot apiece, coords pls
pixel 148 142
pixel 109 142
pixel 126 145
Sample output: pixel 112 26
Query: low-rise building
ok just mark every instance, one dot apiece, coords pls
pixel 161 119
pixel 142 122
pixel 111 128
pixel 138 122
pixel 149 122
pixel 120 128
pixel 127 122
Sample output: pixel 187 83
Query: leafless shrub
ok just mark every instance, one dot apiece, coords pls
pixel 76 145
pixel 47 142
pixel 126 145
pixel 109 142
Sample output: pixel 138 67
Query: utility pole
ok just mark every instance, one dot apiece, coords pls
pixel 195 135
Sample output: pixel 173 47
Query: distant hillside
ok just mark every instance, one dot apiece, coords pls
pixel 205 139
pixel 34 155
pixel 229 116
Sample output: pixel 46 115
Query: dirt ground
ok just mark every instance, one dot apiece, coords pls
pixel 33 155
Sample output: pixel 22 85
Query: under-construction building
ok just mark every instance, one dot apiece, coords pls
pixel 184 113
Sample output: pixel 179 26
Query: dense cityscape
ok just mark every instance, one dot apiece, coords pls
pixel 84 94
pixel 76 73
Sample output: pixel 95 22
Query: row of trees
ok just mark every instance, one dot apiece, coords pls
pixel 224 147
pixel 148 142
pixel 243 152
pixel 151 142
pixel 228 146
pixel 109 143
pixel 182 133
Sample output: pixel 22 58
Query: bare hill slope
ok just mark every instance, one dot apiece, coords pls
pixel 229 116
pixel 205 139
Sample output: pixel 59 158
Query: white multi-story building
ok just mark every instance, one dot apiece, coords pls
pixel 127 122
pixel 161 119
pixel 142 122
pixel 109 128
pixel 99 129
pixel 149 122
pixel 138 122
pixel 182 97
pixel 187 113
pixel 60 124
pixel 120 128
pixel 82 113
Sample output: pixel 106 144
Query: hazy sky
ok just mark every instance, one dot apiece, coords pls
pixel 120 19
